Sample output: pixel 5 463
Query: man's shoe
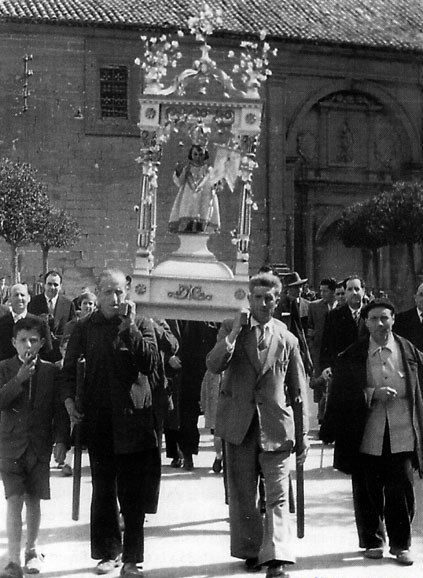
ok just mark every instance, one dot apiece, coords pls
pixel 217 465
pixel 252 565
pixel 276 571
pixel 66 470
pixel 12 570
pixel 106 565
pixel 403 557
pixel 176 463
pixel 33 562
pixel 131 570
pixel 373 553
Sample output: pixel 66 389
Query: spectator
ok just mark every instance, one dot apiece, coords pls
pixel 56 308
pixel 31 414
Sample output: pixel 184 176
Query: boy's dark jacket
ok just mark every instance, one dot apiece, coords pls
pixel 40 423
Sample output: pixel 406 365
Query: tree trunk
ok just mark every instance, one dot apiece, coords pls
pixel 376 269
pixel 45 259
pixel 14 263
pixel 411 263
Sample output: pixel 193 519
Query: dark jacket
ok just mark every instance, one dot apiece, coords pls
pixel 339 332
pixel 113 360
pixel 346 412
pixel 38 424
pixel 63 312
pixel 6 333
pixel 408 325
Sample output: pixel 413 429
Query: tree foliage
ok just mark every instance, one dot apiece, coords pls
pixel 389 218
pixel 22 198
pixel 58 229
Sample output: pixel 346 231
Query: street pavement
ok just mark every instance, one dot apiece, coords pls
pixel 189 536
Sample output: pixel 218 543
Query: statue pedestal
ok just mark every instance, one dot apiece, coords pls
pixel 191 284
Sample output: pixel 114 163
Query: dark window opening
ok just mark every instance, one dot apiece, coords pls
pixel 114 91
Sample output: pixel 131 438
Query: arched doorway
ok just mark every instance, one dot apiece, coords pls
pixel 333 259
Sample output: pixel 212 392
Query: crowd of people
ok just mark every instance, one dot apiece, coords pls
pixel 150 379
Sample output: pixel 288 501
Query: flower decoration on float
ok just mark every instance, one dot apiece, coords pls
pixel 160 53
pixel 205 22
pixel 253 66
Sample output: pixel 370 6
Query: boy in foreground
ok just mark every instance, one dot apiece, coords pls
pixel 32 418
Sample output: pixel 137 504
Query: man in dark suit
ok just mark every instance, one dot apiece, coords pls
pixel 19 299
pixel 317 314
pixel 263 375
pixel 375 417
pixel 343 324
pixel 56 308
pixel 409 324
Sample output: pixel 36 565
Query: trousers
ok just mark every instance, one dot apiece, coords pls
pixel 252 535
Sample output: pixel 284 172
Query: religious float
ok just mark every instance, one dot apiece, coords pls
pixel 219 121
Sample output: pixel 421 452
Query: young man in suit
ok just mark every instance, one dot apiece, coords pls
pixel 317 314
pixel 263 375
pixel 409 324
pixel 32 417
pixel 344 324
pixel 54 306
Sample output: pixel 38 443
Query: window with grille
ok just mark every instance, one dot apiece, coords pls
pixel 114 91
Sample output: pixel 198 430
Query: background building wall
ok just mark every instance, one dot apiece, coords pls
pixel 89 162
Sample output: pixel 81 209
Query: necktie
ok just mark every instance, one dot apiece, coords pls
pixel 262 341
pixel 50 306
pixel 356 316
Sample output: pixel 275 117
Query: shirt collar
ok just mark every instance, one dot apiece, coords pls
pixel 354 311
pixel 255 323
pixel 53 299
pixel 375 347
pixel 17 316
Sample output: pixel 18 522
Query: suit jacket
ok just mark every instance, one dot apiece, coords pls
pixel 339 332
pixel 6 333
pixel 317 313
pixel 38 424
pixel 63 312
pixel 248 387
pixel 408 325
pixel 346 412
pixel 113 362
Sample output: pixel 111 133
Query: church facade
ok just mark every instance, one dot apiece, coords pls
pixel 342 120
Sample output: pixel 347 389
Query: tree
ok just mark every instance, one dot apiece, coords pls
pixel 389 218
pixel 403 213
pixel 22 198
pixel 361 226
pixel 57 229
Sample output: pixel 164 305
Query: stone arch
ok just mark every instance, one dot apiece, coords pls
pixel 332 258
pixel 327 222
pixel 384 97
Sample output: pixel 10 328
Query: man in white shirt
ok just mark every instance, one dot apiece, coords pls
pixel 375 416
pixel 57 308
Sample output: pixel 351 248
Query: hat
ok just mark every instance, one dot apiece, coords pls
pixel 293 279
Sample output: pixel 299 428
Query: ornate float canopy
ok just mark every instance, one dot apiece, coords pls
pixel 203 105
